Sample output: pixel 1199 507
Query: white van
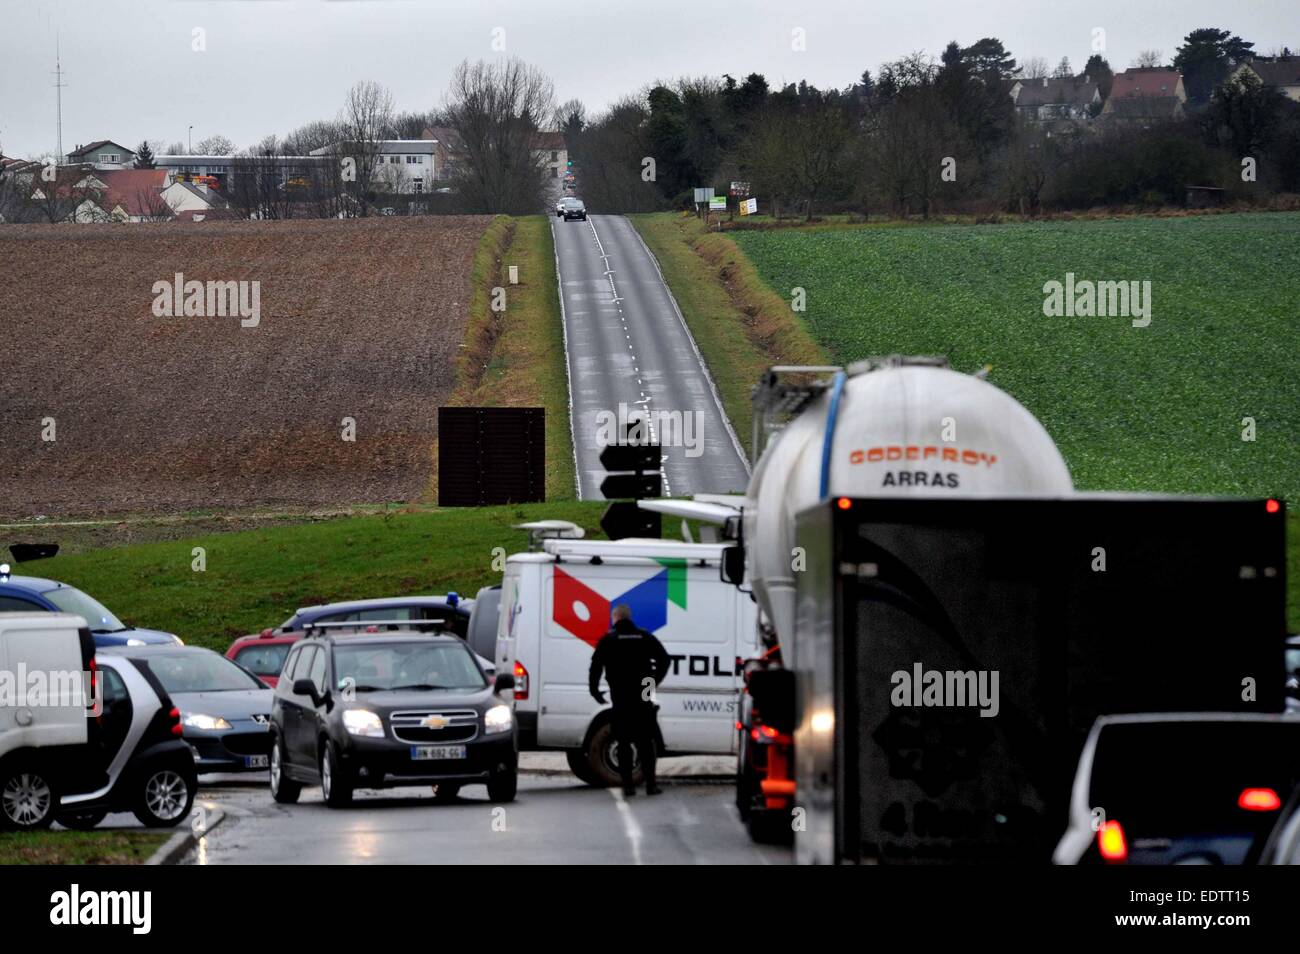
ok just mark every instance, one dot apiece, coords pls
pixel 43 713
pixel 555 607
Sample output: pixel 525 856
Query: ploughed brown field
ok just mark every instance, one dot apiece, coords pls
pixel 360 319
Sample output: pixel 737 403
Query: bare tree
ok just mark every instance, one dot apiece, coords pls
pixel 215 146
pixel 495 109
pixel 314 135
pixel 366 118
pixel 152 206
pixel 60 196
pixel 1147 59
pixel 1063 69
pixel 258 187
pixel 1034 67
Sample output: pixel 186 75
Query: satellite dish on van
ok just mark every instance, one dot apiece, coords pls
pixel 539 530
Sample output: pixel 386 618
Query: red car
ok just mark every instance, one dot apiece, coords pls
pixel 263 654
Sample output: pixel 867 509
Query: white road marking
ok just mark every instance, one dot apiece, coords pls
pixel 630 826
pixel 615 300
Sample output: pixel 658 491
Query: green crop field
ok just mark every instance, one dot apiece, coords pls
pixel 1156 408
pixel 250 579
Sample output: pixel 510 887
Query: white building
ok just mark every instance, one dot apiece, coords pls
pixel 402 165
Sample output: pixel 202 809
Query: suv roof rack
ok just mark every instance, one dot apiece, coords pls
pixel 377 625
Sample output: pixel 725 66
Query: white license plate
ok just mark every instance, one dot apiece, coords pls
pixel 423 753
pixel 255 761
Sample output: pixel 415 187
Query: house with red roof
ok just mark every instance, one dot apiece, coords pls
pixel 1142 96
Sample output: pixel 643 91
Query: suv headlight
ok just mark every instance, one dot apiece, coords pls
pixel 197 720
pixel 497 719
pixel 363 722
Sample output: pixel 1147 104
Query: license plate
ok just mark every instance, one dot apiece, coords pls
pixel 423 753
pixel 255 761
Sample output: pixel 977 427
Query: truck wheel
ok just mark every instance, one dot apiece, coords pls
pixel 746 790
pixel 580 766
pixel 28 798
pixel 769 827
pixel 501 786
pixel 601 752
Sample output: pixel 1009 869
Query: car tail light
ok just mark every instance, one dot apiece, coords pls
pixel 175 715
pixel 1272 506
pixel 92 667
pixel 762 733
pixel 1259 800
pixel 521 681
pixel 1111 843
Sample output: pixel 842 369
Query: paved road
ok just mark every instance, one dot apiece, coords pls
pixel 629 346
pixel 554 820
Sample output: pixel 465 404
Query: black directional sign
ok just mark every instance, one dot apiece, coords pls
pixel 631 457
pixel 633 486
pixel 623 519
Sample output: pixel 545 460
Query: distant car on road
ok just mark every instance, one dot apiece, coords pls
pixel 573 209
pixel 225 710
pixel 34 594
pixel 390 709
pixel 1181 788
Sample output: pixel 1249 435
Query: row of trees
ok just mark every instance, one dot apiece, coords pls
pixel 925 134
pixel 493 114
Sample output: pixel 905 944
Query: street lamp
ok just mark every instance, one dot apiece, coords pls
pixel 189 141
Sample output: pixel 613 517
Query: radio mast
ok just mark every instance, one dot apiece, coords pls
pixel 58 86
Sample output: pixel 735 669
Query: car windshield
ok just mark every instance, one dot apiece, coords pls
pixel 200 671
pixel 263 659
pixel 372 667
pixel 69 599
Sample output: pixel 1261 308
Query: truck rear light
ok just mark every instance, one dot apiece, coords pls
pixel 521 681
pixel 1111 843
pixel 1272 506
pixel 1259 800
pixel 763 733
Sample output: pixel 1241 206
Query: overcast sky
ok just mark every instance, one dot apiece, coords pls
pixel 272 65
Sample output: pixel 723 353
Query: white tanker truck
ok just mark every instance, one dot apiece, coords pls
pixel 944 616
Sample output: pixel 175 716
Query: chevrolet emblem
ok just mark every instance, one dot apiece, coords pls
pixel 434 722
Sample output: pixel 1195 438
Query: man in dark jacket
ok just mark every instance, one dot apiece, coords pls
pixel 634 662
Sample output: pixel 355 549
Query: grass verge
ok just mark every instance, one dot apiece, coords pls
pixel 103 847
pixel 718 290
pixel 257 578
pixel 515 358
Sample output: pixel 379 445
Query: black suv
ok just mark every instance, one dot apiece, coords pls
pixel 379 710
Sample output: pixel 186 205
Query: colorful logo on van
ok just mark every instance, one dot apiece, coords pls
pixel 582 611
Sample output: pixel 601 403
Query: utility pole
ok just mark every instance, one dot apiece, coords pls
pixel 58 86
